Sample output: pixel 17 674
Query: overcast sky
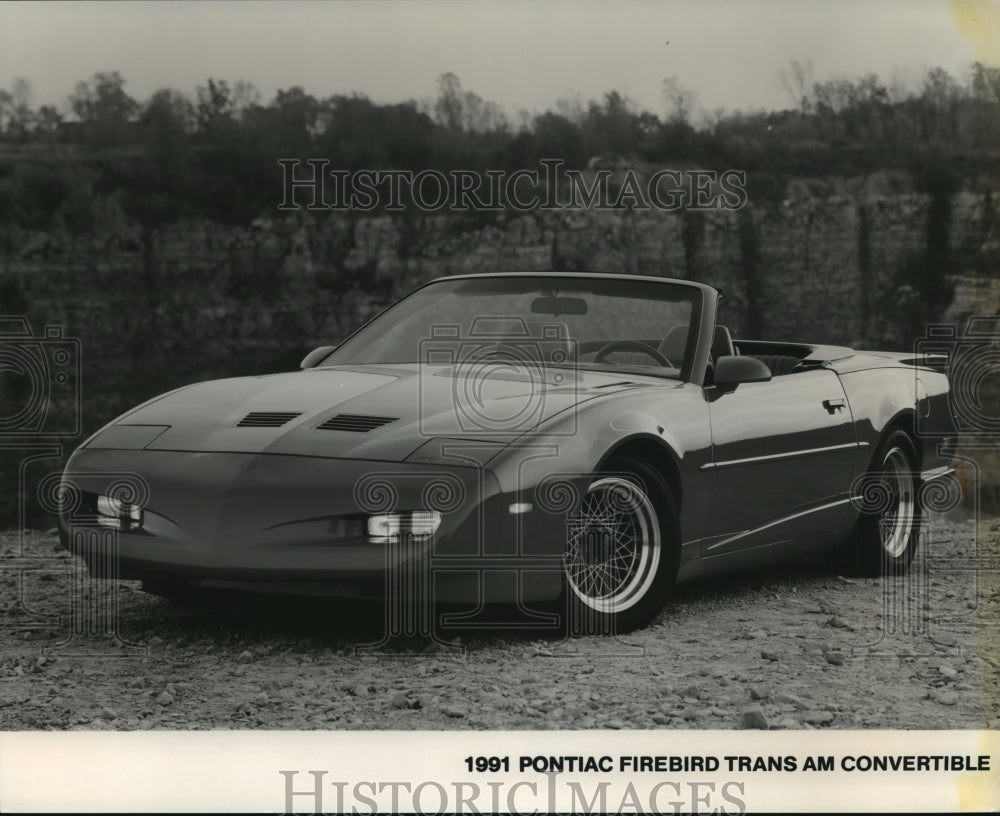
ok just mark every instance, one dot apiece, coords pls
pixel 521 54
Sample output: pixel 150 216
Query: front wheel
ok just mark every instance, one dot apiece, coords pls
pixel 622 550
pixel 885 537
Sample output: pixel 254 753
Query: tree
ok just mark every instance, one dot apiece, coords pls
pixel 47 123
pixel 104 109
pixel 16 117
pixel 168 116
pixel 612 127
pixel 679 99
pixel 215 109
pixel 797 80
pixel 465 111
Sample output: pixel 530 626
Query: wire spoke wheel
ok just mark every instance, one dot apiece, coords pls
pixel 613 549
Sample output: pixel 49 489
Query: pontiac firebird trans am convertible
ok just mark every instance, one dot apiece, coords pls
pixel 526 438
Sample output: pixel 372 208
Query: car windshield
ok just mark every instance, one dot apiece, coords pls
pixel 594 323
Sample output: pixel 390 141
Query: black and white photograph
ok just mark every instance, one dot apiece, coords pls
pixel 469 406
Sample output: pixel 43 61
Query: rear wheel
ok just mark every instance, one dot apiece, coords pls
pixel 622 550
pixel 885 537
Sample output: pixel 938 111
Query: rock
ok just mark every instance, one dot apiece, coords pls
pixel 838 623
pixel 789 699
pixel 774 657
pixel 947 671
pixel 109 714
pixel 245 656
pixel 360 690
pixel 817 717
pixel 399 700
pixel 786 724
pixel 453 711
pixel 164 698
pixel 261 699
pixel 835 658
pixel 155 640
pixel 759 693
pixel 660 719
pixel 948 698
pixel 753 718
pixel 689 691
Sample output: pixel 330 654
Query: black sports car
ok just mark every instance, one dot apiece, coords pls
pixel 518 438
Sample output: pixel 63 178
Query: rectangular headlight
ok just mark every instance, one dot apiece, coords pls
pixel 419 524
pixel 118 510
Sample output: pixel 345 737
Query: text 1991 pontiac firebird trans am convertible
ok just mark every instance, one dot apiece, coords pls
pixel 519 437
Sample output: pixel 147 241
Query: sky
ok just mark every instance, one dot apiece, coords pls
pixel 523 55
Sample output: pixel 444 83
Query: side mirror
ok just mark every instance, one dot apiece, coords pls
pixel 731 370
pixel 315 356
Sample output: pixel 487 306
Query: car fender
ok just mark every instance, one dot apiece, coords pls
pixel 647 422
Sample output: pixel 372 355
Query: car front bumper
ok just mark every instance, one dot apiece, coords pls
pixel 297 524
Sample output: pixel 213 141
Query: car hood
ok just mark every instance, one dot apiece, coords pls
pixel 416 403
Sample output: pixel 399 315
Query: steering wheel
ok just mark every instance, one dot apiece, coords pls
pixel 635 345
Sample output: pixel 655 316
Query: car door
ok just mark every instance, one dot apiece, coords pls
pixel 782 455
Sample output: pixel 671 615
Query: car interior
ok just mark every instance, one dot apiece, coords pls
pixel 780 358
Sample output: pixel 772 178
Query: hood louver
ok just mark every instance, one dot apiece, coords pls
pixel 267 419
pixel 354 422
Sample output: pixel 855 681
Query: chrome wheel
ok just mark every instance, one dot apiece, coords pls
pixel 896 521
pixel 613 548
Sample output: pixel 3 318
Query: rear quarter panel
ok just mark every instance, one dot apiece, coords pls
pixel 886 393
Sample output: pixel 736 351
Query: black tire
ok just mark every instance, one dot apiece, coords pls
pixel 622 550
pixel 886 535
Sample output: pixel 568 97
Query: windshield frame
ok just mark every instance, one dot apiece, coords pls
pixel 703 299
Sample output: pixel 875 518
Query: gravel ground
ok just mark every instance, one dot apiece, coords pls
pixel 795 647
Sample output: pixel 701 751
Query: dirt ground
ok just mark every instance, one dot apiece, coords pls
pixel 796 647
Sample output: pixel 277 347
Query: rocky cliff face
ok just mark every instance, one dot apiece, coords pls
pixel 855 263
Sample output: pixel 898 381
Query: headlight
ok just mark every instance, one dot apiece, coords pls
pixel 418 525
pixel 115 513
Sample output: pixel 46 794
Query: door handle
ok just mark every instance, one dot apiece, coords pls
pixel 833 405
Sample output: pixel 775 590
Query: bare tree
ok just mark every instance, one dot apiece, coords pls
pixel 799 83
pixel 680 100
